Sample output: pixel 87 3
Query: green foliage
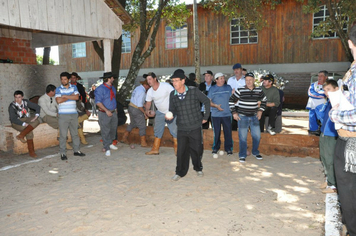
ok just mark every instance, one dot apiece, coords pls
pixel 39 60
pixel 344 15
pixel 249 10
pixel 175 13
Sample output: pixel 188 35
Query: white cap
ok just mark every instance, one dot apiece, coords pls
pixel 219 74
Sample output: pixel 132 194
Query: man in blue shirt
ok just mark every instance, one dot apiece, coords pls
pixel 105 99
pixel 66 97
pixel 137 114
pixel 219 95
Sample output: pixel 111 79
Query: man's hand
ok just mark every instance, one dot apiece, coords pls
pixel 259 114
pixel 108 113
pixel 236 117
pixel 35 118
pixel 218 106
pixel 88 113
pixel 204 121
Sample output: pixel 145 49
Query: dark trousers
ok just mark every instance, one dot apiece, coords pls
pixel 206 125
pixel 225 122
pixel 271 112
pixel 190 144
pixel 234 124
pixel 346 187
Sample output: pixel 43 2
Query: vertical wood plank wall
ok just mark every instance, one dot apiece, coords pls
pixel 285 39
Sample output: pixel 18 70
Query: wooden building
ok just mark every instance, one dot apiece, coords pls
pixel 283 46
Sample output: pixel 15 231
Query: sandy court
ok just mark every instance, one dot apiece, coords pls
pixel 130 193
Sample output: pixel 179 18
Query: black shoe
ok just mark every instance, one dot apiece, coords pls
pixel 258 157
pixel 229 153
pixel 214 152
pixel 79 153
pixel 64 157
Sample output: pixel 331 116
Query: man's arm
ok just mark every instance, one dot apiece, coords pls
pixel 343 117
pixel 206 101
pixel 233 99
pixel 65 98
pixel 14 118
pixel 46 107
pixel 314 94
pixel 275 100
pixel 147 107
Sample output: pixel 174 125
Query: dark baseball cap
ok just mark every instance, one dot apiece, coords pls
pixel 250 75
pixel 208 72
pixel 237 66
pixel 269 77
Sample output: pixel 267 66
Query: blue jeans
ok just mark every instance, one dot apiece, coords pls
pixel 226 124
pixel 160 122
pixel 244 124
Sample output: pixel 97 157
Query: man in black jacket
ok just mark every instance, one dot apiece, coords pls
pixel 184 103
pixel 204 87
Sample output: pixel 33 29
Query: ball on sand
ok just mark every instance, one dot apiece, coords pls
pixel 221 153
pixel 169 115
pixel 132 146
pixel 215 155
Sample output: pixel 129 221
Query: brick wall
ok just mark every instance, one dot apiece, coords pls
pixel 296 91
pixel 31 79
pixel 17 50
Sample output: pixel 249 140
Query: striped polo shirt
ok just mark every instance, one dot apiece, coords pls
pixel 69 106
pixel 248 101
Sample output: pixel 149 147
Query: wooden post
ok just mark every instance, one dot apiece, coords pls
pixel 196 42
pixel 107 55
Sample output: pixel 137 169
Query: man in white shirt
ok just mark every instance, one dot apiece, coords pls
pixel 49 109
pixel 159 93
pixel 236 81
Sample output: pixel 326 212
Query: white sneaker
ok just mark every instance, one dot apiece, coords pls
pixel 113 147
pixel 108 153
pixel 270 131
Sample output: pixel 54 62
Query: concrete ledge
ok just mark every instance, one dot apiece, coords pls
pixel 44 136
pixel 280 144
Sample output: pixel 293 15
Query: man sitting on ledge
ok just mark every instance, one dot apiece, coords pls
pixel 22 121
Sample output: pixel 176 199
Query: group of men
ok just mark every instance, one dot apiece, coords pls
pixel 58 107
pixel 332 116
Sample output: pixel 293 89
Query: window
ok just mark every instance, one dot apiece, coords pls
pixel 321 16
pixel 240 35
pixel 78 50
pixel 177 37
pixel 126 42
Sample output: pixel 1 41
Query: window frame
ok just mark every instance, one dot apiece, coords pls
pixel 126 45
pixel 324 17
pixel 251 33
pixel 180 39
pixel 78 48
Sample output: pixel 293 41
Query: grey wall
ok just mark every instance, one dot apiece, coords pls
pixel 31 79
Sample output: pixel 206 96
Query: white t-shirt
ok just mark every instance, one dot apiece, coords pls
pixel 235 84
pixel 160 96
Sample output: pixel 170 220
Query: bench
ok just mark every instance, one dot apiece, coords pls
pixel 289 145
pixel 44 136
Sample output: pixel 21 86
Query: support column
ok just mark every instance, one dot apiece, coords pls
pixel 107 55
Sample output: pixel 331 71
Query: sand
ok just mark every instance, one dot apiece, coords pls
pixel 130 193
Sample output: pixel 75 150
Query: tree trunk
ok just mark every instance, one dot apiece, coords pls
pixel 196 42
pixel 46 53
